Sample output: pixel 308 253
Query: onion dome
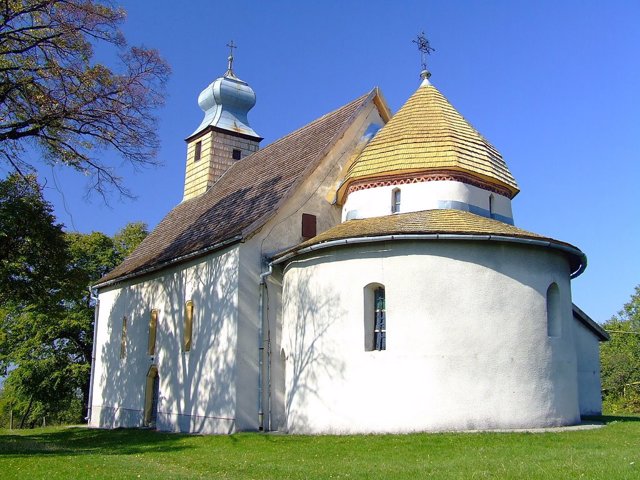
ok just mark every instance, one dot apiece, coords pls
pixel 427 135
pixel 225 103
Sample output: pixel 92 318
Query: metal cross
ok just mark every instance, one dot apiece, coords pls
pixel 231 46
pixel 425 49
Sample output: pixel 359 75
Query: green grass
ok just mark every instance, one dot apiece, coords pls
pixel 610 452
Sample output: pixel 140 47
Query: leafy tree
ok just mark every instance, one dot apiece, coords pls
pixel 55 97
pixel 46 313
pixel 620 358
pixel 33 256
pixel 127 239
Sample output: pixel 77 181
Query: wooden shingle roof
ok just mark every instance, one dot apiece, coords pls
pixel 440 224
pixel 427 133
pixel 244 198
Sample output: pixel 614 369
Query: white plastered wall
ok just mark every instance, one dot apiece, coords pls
pixel 589 385
pixel 467 343
pixel 198 387
pixel 376 201
pixel 279 233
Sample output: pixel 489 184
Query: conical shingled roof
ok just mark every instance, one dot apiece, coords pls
pixel 427 133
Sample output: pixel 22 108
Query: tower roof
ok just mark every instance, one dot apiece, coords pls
pixel 226 103
pixel 428 134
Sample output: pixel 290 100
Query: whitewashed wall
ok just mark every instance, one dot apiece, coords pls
pixel 376 201
pixel 589 384
pixel 197 388
pixel 467 344
pixel 314 196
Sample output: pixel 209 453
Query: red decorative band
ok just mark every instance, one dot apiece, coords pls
pixel 432 176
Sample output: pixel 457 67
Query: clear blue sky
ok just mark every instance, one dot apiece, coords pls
pixel 553 85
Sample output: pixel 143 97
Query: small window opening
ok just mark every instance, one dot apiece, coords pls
pixel 380 326
pixel 375 328
pixel 152 394
pixel 198 152
pixel 188 325
pixel 123 338
pixel 308 225
pixel 153 325
pixel 491 206
pixel 237 154
pixel 395 200
pixel 554 315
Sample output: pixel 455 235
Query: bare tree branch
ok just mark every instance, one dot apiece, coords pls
pixel 54 96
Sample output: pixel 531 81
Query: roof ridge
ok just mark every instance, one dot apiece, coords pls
pixel 362 100
pixel 252 190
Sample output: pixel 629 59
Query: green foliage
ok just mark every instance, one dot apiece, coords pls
pixel 620 359
pixel 127 239
pixel 46 310
pixel 55 97
pixel 32 246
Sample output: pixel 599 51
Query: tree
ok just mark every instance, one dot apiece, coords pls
pixel 33 255
pixel 46 311
pixel 620 358
pixel 55 97
pixel 127 239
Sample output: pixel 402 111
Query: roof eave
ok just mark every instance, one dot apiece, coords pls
pixel 169 263
pixel 573 251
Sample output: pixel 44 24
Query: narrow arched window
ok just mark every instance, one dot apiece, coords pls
pixel 554 316
pixel 152 394
pixel 375 318
pixel 395 200
pixel 380 325
pixel 491 205
pixel 188 325
pixel 153 326
pixel 123 338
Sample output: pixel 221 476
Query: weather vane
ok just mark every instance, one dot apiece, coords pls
pixel 231 46
pixel 425 49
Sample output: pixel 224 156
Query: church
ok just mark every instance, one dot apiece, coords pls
pixel 362 274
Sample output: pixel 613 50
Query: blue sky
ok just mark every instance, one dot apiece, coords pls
pixel 554 86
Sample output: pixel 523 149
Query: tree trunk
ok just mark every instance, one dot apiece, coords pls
pixel 26 414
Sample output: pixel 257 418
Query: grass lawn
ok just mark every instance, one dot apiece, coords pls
pixel 610 452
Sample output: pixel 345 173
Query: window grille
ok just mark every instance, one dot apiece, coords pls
pixel 380 325
pixel 395 200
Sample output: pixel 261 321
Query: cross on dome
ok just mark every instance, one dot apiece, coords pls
pixel 425 49
pixel 231 46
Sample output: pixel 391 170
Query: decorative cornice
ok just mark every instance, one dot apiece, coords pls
pixel 431 176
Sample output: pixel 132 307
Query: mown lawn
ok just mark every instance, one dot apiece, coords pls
pixel 610 452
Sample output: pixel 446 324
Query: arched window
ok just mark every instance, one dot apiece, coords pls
pixel 123 338
pixel 153 326
pixel 375 318
pixel 395 200
pixel 554 316
pixel 188 325
pixel 152 392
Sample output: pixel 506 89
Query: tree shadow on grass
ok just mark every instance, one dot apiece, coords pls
pixel 85 441
pixel 606 419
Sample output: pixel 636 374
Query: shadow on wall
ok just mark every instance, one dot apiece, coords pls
pixel 196 391
pixel 309 346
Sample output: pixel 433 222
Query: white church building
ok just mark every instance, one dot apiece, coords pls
pixel 362 274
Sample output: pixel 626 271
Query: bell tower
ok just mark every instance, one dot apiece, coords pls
pixel 224 135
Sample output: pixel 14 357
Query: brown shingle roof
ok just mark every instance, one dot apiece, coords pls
pixel 428 133
pixel 245 197
pixel 431 222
